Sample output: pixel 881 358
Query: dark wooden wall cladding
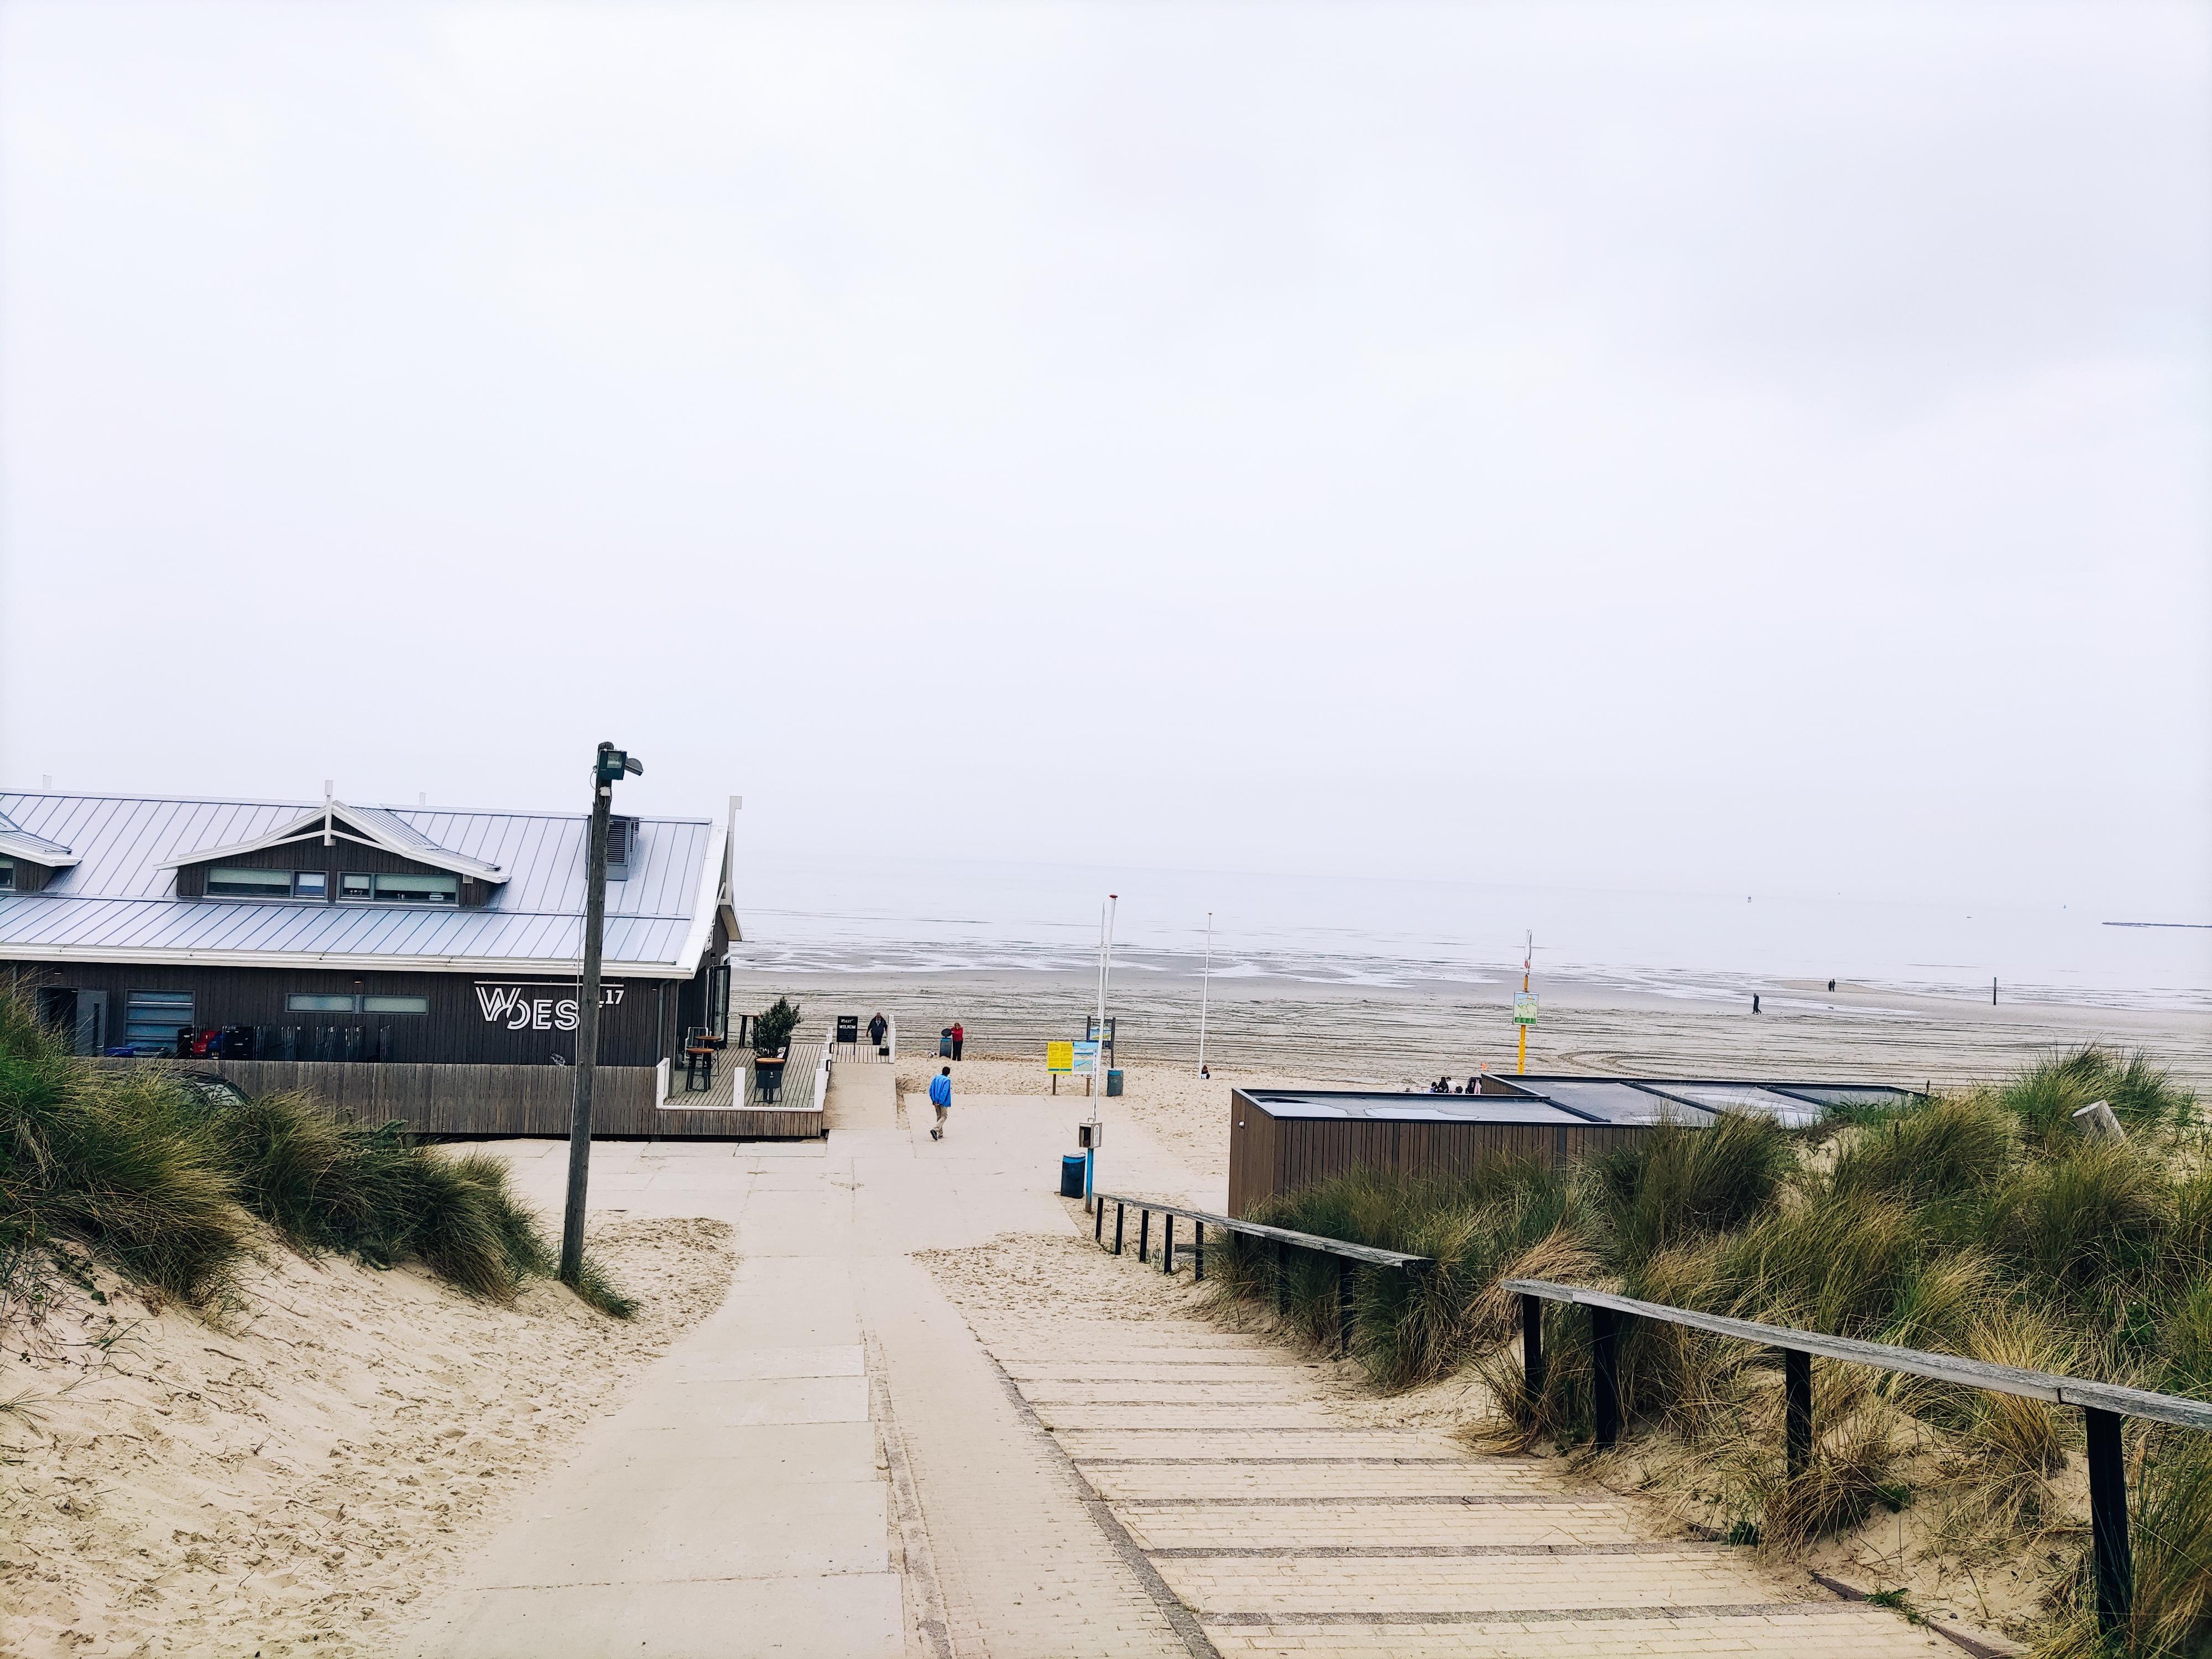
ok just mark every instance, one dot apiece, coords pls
pixel 1269 1155
pixel 499 1100
pixel 30 878
pixel 637 1029
pixel 342 857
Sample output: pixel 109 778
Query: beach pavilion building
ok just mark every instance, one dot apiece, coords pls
pixel 404 963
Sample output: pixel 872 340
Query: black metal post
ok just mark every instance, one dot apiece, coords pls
pixel 1344 1304
pixel 1796 1409
pixel 1121 1213
pixel 1144 1233
pixel 2108 1519
pixel 1167 1243
pixel 587 1022
pixel 1098 1226
pixel 1532 1349
pixel 1198 1249
pixel 1605 1373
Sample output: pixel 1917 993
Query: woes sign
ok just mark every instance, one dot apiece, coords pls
pixel 521 1005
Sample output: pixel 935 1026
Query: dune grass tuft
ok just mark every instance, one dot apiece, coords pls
pixel 1983 1223
pixel 167 1180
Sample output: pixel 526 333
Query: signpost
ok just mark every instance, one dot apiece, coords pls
pixel 1524 1005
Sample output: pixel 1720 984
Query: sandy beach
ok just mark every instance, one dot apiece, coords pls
pixel 1407 1037
pixel 289 1476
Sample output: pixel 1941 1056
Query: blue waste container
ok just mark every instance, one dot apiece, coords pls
pixel 1114 1081
pixel 1071 1175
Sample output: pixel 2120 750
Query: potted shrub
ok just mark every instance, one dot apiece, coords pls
pixel 772 1032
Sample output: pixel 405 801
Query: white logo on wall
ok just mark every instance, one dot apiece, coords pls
pixel 526 1007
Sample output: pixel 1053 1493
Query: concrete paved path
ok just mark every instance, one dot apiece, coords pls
pixel 830 1465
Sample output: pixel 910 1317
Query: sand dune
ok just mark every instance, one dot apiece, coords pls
pixel 287 1476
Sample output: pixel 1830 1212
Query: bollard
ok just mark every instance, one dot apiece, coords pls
pixel 1167 1243
pixel 1121 1213
pixel 1144 1233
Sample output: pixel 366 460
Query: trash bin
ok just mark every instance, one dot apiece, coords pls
pixel 1071 1175
pixel 1114 1081
pixel 944 1044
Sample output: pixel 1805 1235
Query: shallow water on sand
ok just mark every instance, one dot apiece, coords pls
pixel 934 918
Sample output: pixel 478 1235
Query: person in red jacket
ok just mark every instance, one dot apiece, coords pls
pixel 959 1035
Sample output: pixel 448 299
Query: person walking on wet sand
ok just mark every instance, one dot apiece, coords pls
pixel 940 1095
pixel 959 1036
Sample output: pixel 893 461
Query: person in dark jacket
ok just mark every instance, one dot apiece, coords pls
pixel 877 1027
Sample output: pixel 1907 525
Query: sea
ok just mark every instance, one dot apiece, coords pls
pixel 937 917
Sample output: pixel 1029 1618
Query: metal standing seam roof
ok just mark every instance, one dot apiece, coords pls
pixel 1583 1100
pixel 118 902
pixel 18 842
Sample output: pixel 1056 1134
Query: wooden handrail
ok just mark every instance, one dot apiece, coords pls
pixel 1368 1253
pixel 1349 1257
pixel 1941 1367
pixel 2101 1404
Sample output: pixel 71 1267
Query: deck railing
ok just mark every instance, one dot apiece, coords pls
pixel 1349 1257
pixel 2101 1404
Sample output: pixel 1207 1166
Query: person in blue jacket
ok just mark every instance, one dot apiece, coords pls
pixel 940 1095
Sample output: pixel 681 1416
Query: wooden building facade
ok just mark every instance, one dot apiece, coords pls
pixel 406 963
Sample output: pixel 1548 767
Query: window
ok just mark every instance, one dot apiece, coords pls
pixel 342 1002
pixel 7 875
pixel 429 888
pixel 236 882
pixel 250 884
pixel 419 889
pixel 156 1016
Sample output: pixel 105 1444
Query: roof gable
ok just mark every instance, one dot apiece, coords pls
pixel 371 826
pixel 15 842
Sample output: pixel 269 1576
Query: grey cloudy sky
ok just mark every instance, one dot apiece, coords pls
pixel 1646 446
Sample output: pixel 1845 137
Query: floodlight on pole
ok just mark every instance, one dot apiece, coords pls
pixel 609 769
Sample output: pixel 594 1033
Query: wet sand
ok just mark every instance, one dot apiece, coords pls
pixel 1389 1036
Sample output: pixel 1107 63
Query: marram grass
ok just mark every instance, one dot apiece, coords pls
pixel 1981 1223
pixel 165 1181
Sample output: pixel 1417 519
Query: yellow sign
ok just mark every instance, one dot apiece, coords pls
pixel 1059 1057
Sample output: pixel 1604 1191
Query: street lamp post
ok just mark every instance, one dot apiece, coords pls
pixel 606 772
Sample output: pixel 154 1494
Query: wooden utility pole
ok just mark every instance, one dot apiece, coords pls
pixel 609 768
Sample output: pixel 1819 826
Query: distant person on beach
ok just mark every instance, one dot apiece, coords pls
pixel 1754 1002
pixel 877 1027
pixel 940 1095
pixel 959 1035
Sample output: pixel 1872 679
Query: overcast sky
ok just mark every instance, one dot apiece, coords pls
pixel 1655 446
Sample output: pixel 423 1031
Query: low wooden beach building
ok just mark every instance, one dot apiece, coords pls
pixel 1282 1139
pixel 401 963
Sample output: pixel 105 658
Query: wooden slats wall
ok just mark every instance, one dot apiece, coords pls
pixel 501 1100
pixel 1269 1155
